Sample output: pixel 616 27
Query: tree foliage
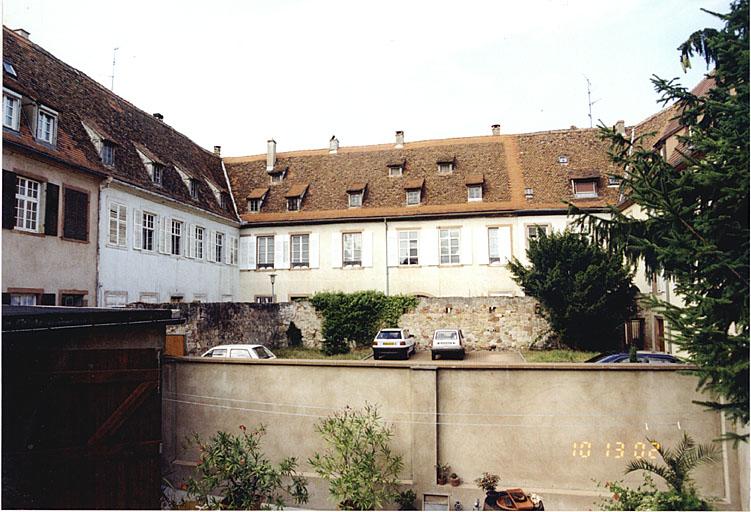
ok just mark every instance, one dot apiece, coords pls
pixel 695 227
pixel 357 317
pixel 234 467
pixel 585 292
pixel 358 463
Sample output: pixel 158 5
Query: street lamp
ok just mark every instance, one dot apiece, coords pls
pixel 273 278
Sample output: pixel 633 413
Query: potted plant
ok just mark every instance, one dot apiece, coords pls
pixel 454 480
pixel 442 473
pixel 406 500
pixel 487 482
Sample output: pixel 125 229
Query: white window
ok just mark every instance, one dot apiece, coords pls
pixel 156 173
pixel 614 181
pixel 264 299
pixel 355 199
pixel 233 247
pixel 445 167
pixel 494 245
pixel 108 153
pixel 115 299
pixel 118 229
pixel 265 248
pixel 293 204
pixel 11 110
pixel 585 188
pixel 352 249
pixel 300 250
pixel 176 247
pixel 408 241
pixel 535 231
pixel 474 193
pixel 563 159
pixel 277 177
pixel 254 205
pixel 27 204
pixel 46 125
pixel 219 247
pixel 449 239
pixel 198 243
pixel 148 227
pixel 148 297
pixel 8 68
pixel 395 171
pixel 199 297
pixel 193 188
pixel 413 196
pixel 23 299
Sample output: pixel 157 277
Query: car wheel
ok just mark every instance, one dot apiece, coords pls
pixel 432 356
pixel 406 355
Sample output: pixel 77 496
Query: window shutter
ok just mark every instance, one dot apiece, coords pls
pixel 481 245
pixel 122 226
pixel 48 299
pixel 281 251
pixel 6 298
pixel 504 244
pixel 428 252
pixel 465 246
pixel 285 252
pixel 211 255
pixel 313 250
pixel 51 208
pixel 163 222
pixel 137 229
pixel 247 252
pixel 75 214
pixel 191 241
pixel 9 200
pixel 392 256
pixel 367 248
pixel 336 250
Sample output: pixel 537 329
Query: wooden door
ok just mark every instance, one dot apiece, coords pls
pixel 659 334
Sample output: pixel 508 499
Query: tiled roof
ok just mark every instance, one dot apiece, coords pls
pixel 296 190
pixel 78 99
pixel 674 126
pixel 504 164
pixel 258 193
pixel 357 187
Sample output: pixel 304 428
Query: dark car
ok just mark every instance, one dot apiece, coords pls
pixel 641 357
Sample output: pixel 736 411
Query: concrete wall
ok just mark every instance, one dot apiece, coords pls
pixel 380 269
pixel 153 276
pixel 549 429
pixel 50 264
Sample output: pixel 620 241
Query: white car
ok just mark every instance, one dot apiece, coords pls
pixel 393 342
pixel 447 343
pixel 240 352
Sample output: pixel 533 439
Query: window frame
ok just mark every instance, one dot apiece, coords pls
pixel 477 188
pixel 157 174
pixel 268 254
pixel 614 181
pixel 146 231
pixel 585 194
pixel 358 202
pixel 193 187
pixel 354 261
pixel 294 201
pixel 26 200
pixel 445 167
pixel 177 237
pixel 198 242
pixel 547 229
pixel 257 203
pixel 412 192
pixel 406 260
pixel 300 263
pixel 218 246
pixel 450 255
pixel 108 148
pixel 396 171
pixel 42 112
pixel 16 116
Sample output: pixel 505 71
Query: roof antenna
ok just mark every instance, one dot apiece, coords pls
pixel 114 56
pixel 589 99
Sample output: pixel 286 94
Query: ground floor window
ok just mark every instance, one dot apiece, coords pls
pixel 23 299
pixel 72 299
pixel 115 299
pixel 264 299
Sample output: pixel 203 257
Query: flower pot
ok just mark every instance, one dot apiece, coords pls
pixel 441 480
pixel 455 482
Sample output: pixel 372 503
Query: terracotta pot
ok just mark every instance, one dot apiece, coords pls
pixel 455 482
pixel 441 480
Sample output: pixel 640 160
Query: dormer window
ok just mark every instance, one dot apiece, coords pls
pixel 223 200
pixel 256 198
pixel 11 110
pixel 563 159
pixel 395 171
pixel 8 68
pixel 254 205
pixel 193 188
pixel 474 193
pixel 295 196
pixel 445 167
pixel 413 197
pixel 584 188
pixel 277 177
pixel 107 153
pixel 413 190
pixel 529 193
pixel 46 125
pixel 355 193
pixel 614 181
pixel 293 204
pixel 157 171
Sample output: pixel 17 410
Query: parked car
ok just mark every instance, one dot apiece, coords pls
pixel 240 351
pixel 447 343
pixel 641 357
pixel 393 342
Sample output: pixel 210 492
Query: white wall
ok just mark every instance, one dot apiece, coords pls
pixel 138 272
pixel 472 277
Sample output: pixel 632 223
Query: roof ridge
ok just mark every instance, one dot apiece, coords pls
pixel 77 71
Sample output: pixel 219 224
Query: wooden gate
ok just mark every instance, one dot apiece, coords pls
pixel 81 428
pixel 174 345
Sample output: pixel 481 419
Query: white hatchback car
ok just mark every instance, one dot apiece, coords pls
pixel 240 352
pixel 393 342
pixel 447 343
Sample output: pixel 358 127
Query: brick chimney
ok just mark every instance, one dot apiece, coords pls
pixel 620 127
pixel 218 150
pixel 399 139
pixel 270 154
pixel 22 32
pixel 333 145
pixel 496 128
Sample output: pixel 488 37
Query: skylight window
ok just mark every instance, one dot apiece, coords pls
pixel 563 159
pixel 8 68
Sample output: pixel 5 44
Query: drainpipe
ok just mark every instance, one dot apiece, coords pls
pixel 665 327
pixel 386 230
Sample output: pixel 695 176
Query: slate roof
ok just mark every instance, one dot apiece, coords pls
pixel 45 79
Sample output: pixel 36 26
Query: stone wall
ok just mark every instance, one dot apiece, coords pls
pixel 487 322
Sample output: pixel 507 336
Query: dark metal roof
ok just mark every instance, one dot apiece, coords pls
pixel 32 318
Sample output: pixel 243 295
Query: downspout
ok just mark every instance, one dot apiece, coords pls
pixel 386 227
pixel 666 329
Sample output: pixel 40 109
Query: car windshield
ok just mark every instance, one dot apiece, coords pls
pixel 446 335
pixel 389 335
pixel 262 353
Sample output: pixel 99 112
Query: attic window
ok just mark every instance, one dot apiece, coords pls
pixel 223 200
pixel 584 188
pixel 395 171
pixel 256 198
pixel 254 205
pixel 529 193
pixel 563 159
pixel 11 110
pixel 157 171
pixel 474 193
pixel 293 204
pixel 445 167
pixel 8 68
pixel 194 188
pixel 46 125
pixel 355 199
pixel 413 196
pixel 107 153
pixel 277 177
pixel 614 181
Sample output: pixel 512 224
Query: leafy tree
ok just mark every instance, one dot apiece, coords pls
pixel 358 463
pixel 695 230
pixel 235 468
pixel 585 292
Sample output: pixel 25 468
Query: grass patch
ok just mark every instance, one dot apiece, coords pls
pixel 557 356
pixel 313 353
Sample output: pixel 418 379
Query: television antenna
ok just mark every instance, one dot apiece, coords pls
pixel 589 99
pixel 112 76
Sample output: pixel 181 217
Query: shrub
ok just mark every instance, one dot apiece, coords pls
pixel 234 468
pixel 487 482
pixel 406 500
pixel 358 462
pixel 357 317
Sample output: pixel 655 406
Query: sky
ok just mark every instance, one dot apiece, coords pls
pixel 236 73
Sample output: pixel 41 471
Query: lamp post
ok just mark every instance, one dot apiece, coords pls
pixel 273 278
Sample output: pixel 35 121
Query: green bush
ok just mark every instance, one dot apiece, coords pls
pixel 355 318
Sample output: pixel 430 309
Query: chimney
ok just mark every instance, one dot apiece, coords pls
pixel 620 127
pixel 496 129
pixel 158 116
pixel 270 155
pixel 399 139
pixel 218 150
pixel 333 145
pixel 22 32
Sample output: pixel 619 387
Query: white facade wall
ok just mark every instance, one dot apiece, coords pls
pixel 127 274
pixel 381 270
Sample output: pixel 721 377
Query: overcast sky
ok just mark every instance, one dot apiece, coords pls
pixel 235 73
